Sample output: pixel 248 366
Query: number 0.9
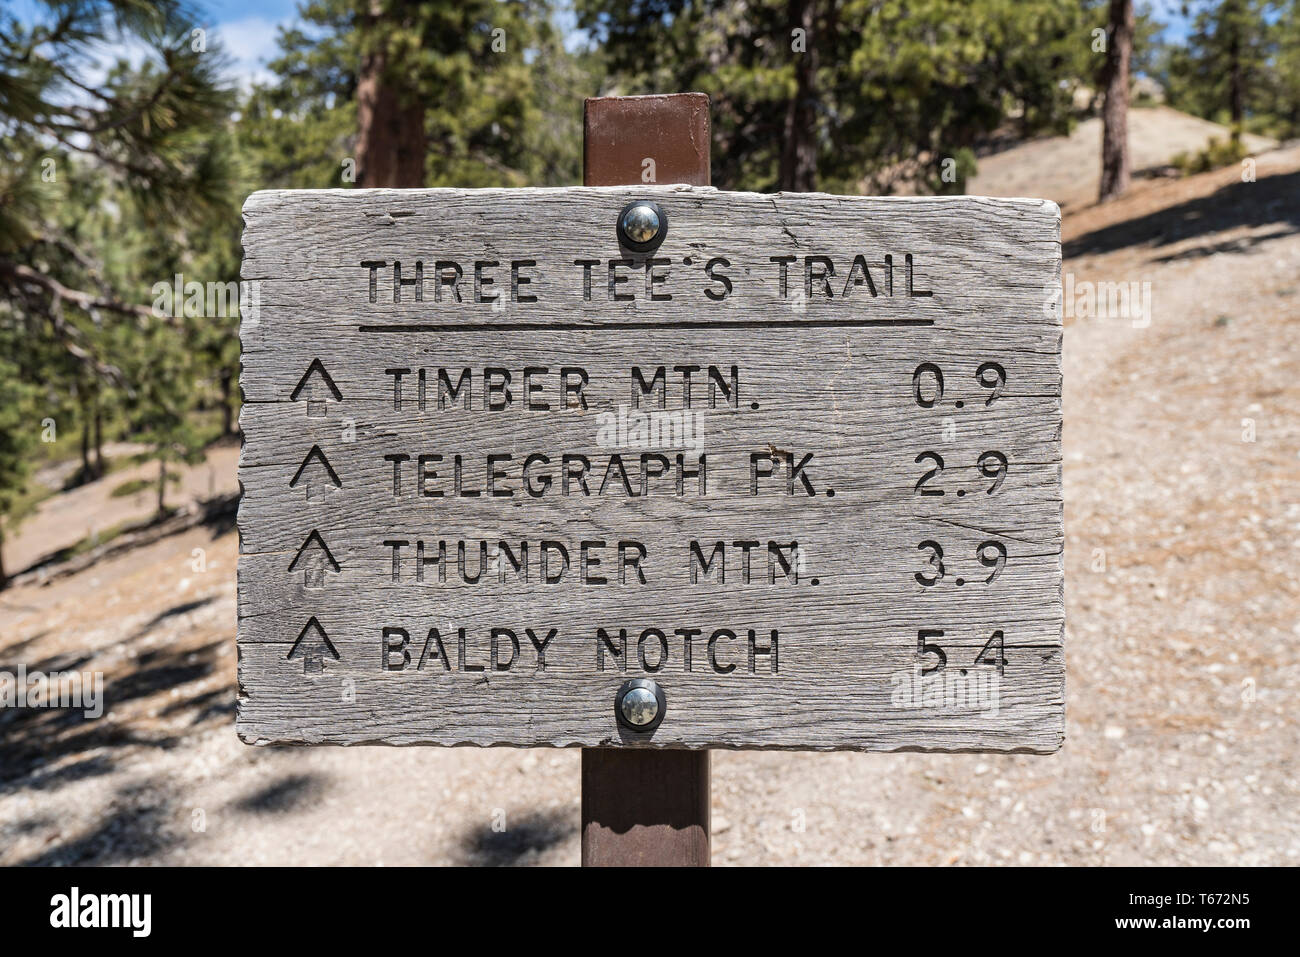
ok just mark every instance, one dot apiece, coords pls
pixel 928 378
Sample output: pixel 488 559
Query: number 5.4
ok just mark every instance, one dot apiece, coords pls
pixel 993 653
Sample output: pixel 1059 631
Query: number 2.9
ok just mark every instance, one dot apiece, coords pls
pixel 993 465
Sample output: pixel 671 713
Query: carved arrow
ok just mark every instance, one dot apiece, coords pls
pixel 313 575
pixel 315 406
pixel 319 456
pixel 315 649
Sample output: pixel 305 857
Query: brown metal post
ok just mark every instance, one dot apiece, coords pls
pixel 644 807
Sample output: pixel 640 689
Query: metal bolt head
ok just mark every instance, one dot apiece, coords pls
pixel 642 226
pixel 639 707
pixel 641 223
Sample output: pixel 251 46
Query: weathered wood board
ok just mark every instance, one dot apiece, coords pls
pixel 636 429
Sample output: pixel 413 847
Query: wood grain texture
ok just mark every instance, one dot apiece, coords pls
pixel 831 376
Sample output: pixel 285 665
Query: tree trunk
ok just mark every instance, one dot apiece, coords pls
pixel 99 439
pixel 799 148
pixel 1236 82
pixel 390 123
pixel 162 484
pixel 1115 171
pixel 87 473
pixel 4 578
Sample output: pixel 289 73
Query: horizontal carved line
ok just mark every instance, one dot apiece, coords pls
pixel 643 324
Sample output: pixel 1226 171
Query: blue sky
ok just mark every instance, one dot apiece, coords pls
pixel 248 31
pixel 243 9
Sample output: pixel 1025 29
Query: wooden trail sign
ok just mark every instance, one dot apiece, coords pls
pixel 798 463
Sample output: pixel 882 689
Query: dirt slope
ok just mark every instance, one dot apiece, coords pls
pixel 1067 169
pixel 66 519
pixel 1183 640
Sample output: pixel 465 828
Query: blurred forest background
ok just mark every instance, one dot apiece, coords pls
pixel 129 146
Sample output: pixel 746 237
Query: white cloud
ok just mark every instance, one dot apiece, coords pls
pixel 250 43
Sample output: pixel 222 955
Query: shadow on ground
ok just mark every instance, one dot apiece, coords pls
pixel 521 840
pixel 156 696
pixel 290 793
pixel 1272 199
pixel 44 747
pixel 140 825
pixel 184 608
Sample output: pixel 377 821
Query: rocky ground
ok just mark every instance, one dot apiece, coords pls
pixel 1182 484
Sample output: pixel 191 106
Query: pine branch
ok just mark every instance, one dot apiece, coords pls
pixel 59 293
pixel 69 337
pixel 94 269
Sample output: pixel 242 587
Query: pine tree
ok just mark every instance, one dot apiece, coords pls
pixel 398 93
pixel 95 159
pixel 1225 70
pixel 160 410
pixel 1285 105
pixel 19 428
pixel 850 94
